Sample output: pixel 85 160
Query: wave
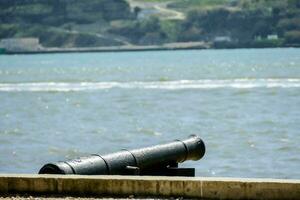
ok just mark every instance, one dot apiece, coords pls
pixel 162 85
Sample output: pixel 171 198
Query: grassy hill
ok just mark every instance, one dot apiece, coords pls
pixel 62 22
pixel 222 23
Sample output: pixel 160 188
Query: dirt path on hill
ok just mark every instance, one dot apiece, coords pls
pixel 99 35
pixel 160 7
pixel 171 14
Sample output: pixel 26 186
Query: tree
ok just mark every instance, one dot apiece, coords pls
pixel 59 7
pixel 262 28
pixel 136 11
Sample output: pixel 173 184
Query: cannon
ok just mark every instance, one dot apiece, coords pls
pixel 159 160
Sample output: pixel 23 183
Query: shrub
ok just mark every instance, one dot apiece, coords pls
pixel 292 37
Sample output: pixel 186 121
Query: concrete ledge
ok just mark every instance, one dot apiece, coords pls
pixel 207 188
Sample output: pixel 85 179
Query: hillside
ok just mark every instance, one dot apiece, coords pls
pixel 219 23
pixel 63 23
pixel 223 23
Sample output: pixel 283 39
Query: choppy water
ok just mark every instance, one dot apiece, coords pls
pixel 245 104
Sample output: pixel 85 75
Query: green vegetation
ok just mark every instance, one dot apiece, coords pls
pixel 52 21
pixel 146 32
pixel 202 4
pixel 222 23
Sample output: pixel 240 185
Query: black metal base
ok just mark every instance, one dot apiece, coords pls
pixel 166 171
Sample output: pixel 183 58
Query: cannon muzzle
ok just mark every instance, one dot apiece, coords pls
pixel 155 160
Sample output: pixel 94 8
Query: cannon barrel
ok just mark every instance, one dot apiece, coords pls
pixel 155 160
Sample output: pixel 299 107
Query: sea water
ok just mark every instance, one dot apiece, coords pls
pixel 244 104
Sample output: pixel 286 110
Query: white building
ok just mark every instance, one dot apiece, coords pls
pixel 20 44
pixel 272 37
pixel 222 39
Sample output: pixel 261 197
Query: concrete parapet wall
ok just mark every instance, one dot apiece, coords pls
pixel 198 187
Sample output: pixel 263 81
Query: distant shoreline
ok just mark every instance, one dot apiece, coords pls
pixel 125 48
pixel 165 47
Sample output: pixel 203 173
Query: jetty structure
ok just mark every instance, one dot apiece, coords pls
pixel 33 46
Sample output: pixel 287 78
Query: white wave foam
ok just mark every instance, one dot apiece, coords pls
pixel 165 85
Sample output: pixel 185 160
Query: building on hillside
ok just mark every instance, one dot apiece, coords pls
pixel 20 44
pixel 222 39
pixel 272 37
